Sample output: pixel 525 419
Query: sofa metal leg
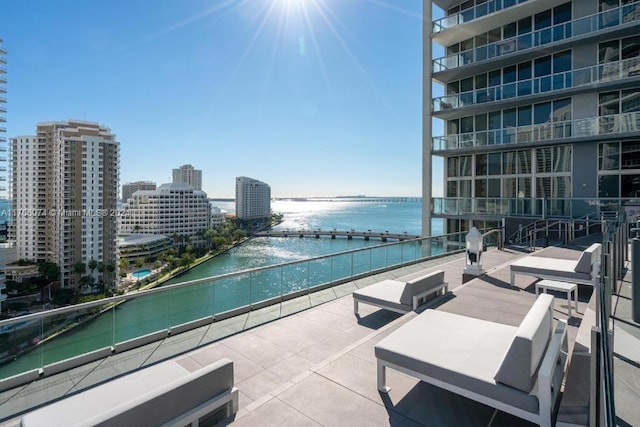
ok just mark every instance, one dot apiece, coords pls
pixel 382 378
pixel 355 306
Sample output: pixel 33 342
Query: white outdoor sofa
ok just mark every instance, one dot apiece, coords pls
pixel 584 270
pixel 164 394
pixel 517 370
pixel 403 294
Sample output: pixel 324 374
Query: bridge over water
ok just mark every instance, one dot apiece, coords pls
pixel 366 235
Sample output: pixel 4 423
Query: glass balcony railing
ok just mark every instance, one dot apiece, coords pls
pixel 608 72
pixel 575 28
pixel 128 319
pixel 527 207
pixel 472 13
pixel 578 128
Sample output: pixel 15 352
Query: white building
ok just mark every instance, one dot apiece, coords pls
pixel 217 216
pixel 65 190
pixel 253 198
pixel 187 174
pixel 171 209
pixel 3 120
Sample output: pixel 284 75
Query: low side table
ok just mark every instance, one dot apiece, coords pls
pixel 555 285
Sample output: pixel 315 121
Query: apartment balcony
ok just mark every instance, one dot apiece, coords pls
pixel 2 109
pixel 605 127
pixel 610 75
pixel 613 23
pixel 494 208
pixel 473 21
pixel 3 80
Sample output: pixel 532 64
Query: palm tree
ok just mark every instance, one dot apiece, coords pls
pixel 92 264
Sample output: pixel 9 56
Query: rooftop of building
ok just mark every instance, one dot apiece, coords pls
pixel 125 240
pixel 310 361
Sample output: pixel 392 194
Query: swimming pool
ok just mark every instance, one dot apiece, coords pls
pixel 141 273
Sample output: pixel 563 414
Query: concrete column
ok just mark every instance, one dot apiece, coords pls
pixel 427 18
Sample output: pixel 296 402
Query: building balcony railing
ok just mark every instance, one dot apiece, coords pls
pixel 527 207
pixel 161 310
pixel 472 13
pixel 603 73
pixel 566 30
pixel 579 128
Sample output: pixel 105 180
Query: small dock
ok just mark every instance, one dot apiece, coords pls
pixel 366 235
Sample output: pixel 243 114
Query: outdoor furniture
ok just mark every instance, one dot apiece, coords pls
pixel 518 370
pixel 584 270
pixel 568 288
pixel 164 394
pixel 402 294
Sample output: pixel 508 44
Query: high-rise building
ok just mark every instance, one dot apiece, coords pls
pixel 171 209
pixel 65 189
pixel 253 199
pixel 539 115
pixel 3 172
pixel 187 174
pixel 131 187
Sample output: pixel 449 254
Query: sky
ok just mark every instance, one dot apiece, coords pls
pixel 313 97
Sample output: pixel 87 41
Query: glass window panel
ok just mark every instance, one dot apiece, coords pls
pixel 524 187
pixel 561 187
pixel 609 103
pixel 453 126
pixel 509 74
pixel 465 166
pixel 466 44
pixel 562 13
pixel 481 188
pixel 562 109
pixel 509 30
pixel 509 187
pixel 609 156
pixel 631 155
pixel 524 70
pixel 482 39
pixel 481 164
pixel 562 158
pixel 543 187
pixel 464 188
pixel 524 25
pixel 608 4
pixel 543 66
pixel 452 167
pixel 630 186
pixel 453 88
pixel 495 164
pixel 495 35
pixel 608 51
pixel 495 120
pixel 494 78
pixel 466 124
pixel 524 161
pixel 562 62
pixel 630 100
pixel 452 189
pixel 543 19
pixel 524 116
pixel 454 48
pixel 509 162
pixel 493 189
pixel 630 47
pixel 609 186
pixel 481 122
pixel 543 160
pixel 481 81
pixel 466 85
pixel 542 113
pixel 509 118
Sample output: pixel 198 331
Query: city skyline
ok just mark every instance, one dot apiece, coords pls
pixel 323 90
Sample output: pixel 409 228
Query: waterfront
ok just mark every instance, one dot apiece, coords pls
pixel 149 313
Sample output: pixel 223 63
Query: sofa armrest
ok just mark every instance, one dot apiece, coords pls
pixel 551 373
pixel 444 286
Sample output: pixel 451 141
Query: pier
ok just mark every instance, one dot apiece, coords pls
pixel 366 235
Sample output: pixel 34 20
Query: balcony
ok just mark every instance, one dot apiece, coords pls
pixel 472 13
pixel 610 72
pixel 579 27
pixel 534 208
pixel 614 125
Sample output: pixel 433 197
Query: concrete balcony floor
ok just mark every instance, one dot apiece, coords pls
pixel 310 361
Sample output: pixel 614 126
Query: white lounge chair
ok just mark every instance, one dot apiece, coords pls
pixel 402 294
pixel 584 270
pixel 517 370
